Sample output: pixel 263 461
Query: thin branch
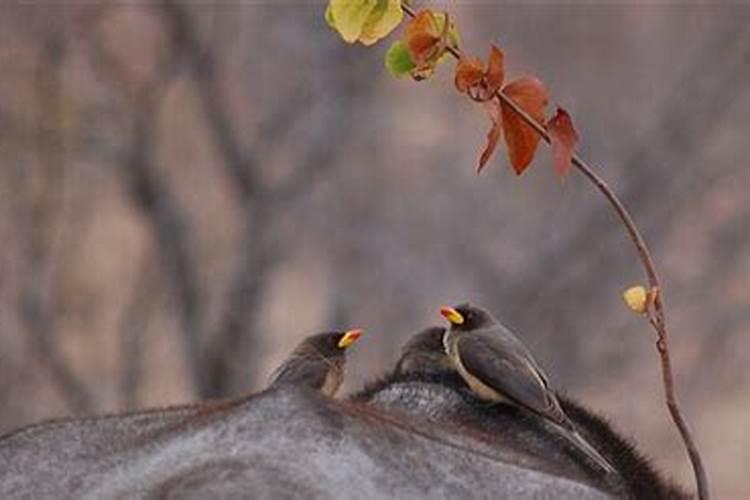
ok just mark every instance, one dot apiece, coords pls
pixel 240 166
pixel 42 193
pixel 38 319
pixel 168 222
pixel 240 306
pixel 318 162
pixel 684 120
pixel 657 316
pixel 133 322
pixel 171 229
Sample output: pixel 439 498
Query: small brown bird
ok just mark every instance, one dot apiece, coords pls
pixel 498 367
pixel 424 352
pixel 318 362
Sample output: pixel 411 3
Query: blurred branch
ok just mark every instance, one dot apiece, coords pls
pixel 38 320
pixel 240 166
pixel 169 225
pixel 213 353
pixel 239 308
pixel 231 339
pixel 260 254
pixel 293 108
pixel 42 193
pixel 133 323
pixel 321 161
pixel 258 257
pixel 248 281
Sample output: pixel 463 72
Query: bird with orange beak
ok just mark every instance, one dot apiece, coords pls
pixel 498 367
pixel 424 353
pixel 318 362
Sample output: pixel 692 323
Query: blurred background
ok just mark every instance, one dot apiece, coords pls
pixel 187 189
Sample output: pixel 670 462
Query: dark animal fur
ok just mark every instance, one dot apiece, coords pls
pixel 638 479
pixel 409 434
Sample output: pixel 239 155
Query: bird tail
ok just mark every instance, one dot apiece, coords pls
pixel 579 442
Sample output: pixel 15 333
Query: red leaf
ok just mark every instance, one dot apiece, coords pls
pixel 563 139
pixel 422 37
pixel 522 140
pixel 468 73
pixel 495 71
pixel 481 84
pixel 493 136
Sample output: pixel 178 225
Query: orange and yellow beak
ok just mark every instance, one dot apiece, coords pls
pixel 349 338
pixel 454 317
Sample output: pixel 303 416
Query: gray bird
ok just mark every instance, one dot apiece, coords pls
pixel 424 352
pixel 318 362
pixel 499 368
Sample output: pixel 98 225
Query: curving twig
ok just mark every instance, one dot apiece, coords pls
pixel 655 313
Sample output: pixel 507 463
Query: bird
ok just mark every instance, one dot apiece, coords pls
pixel 498 367
pixel 424 352
pixel 318 362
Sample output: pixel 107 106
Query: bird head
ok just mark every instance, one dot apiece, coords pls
pixel 347 338
pixel 424 352
pixel 427 340
pixel 331 343
pixel 467 317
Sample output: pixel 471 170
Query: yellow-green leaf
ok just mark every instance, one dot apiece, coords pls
pixel 383 19
pixel 636 298
pixel 349 17
pixel 397 59
pixel 329 17
pixel 453 37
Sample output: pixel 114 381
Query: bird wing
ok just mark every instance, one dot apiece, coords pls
pixel 507 367
pixel 301 370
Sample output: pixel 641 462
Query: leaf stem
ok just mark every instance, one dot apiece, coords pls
pixel 657 316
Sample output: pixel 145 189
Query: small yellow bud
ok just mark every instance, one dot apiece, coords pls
pixel 636 298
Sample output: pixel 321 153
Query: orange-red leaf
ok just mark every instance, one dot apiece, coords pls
pixel 522 140
pixel 493 136
pixel 481 84
pixel 469 73
pixel 422 37
pixel 563 139
pixel 495 70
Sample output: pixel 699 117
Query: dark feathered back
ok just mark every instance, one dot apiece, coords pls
pixel 317 362
pixel 424 352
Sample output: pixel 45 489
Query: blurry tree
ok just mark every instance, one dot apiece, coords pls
pixel 219 349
